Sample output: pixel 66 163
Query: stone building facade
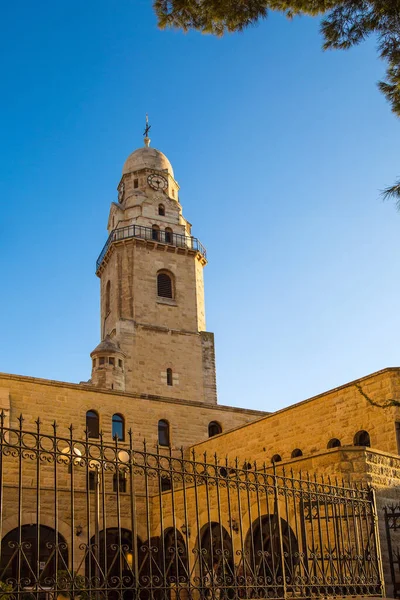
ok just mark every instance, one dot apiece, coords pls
pixel 153 374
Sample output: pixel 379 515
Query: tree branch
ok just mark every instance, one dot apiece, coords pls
pixel 385 404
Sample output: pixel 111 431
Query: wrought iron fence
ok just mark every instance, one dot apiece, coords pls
pixel 154 235
pixel 392 527
pixel 90 519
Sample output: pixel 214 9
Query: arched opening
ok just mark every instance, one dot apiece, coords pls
pixel 334 443
pixel 216 553
pixel 263 543
pixel 161 210
pixel 296 453
pixel 276 458
pixel 108 297
pixel 110 563
pixel 168 235
pixel 174 557
pixel 163 432
pixel 164 285
pixel 92 424
pixel 362 439
pixel 155 232
pixel 42 550
pixel 214 428
pixel 118 427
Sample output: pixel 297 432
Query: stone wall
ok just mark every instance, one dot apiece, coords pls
pixel 309 425
pixel 157 333
pixel 68 403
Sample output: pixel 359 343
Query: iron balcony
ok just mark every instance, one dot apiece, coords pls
pixel 156 235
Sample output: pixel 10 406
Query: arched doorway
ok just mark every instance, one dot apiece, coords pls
pixel 175 557
pixel 41 554
pixel 217 561
pixel 263 544
pixel 111 563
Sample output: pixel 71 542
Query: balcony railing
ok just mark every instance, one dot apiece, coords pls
pixel 156 235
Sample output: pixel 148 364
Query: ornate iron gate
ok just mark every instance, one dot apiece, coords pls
pixel 95 519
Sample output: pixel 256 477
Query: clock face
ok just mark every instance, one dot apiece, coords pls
pixel 121 190
pixel 157 182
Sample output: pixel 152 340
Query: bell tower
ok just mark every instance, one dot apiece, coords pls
pixel 152 290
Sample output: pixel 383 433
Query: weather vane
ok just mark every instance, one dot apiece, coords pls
pixel 146 131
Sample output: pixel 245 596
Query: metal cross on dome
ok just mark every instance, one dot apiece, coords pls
pixel 147 128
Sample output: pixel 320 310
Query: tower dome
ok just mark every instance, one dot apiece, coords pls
pixel 147 158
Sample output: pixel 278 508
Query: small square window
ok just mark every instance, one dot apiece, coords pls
pixel 120 363
pixel 136 183
pixel 111 361
pixel 166 484
pixel 102 360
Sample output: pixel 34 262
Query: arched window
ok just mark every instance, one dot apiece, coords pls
pixel 362 439
pixel 168 235
pixel 169 377
pixel 118 427
pixel 164 285
pixel 161 210
pixel 92 424
pixel 296 453
pixel 108 297
pixel 214 428
pixel 163 432
pixel 276 458
pixel 155 232
pixel 334 443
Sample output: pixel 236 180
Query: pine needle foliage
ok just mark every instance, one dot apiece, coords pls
pixel 345 23
pixel 393 193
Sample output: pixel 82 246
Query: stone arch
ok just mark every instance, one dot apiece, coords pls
pixel 29 518
pixel 110 561
pixel 43 553
pixel 173 554
pixel 362 438
pixel 215 549
pixel 334 443
pixel 263 544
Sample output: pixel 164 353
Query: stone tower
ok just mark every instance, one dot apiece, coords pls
pixel 153 333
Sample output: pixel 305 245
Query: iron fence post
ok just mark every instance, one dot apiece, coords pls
pixel 278 516
pixel 377 539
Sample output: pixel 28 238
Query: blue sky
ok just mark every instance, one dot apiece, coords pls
pixel 280 151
